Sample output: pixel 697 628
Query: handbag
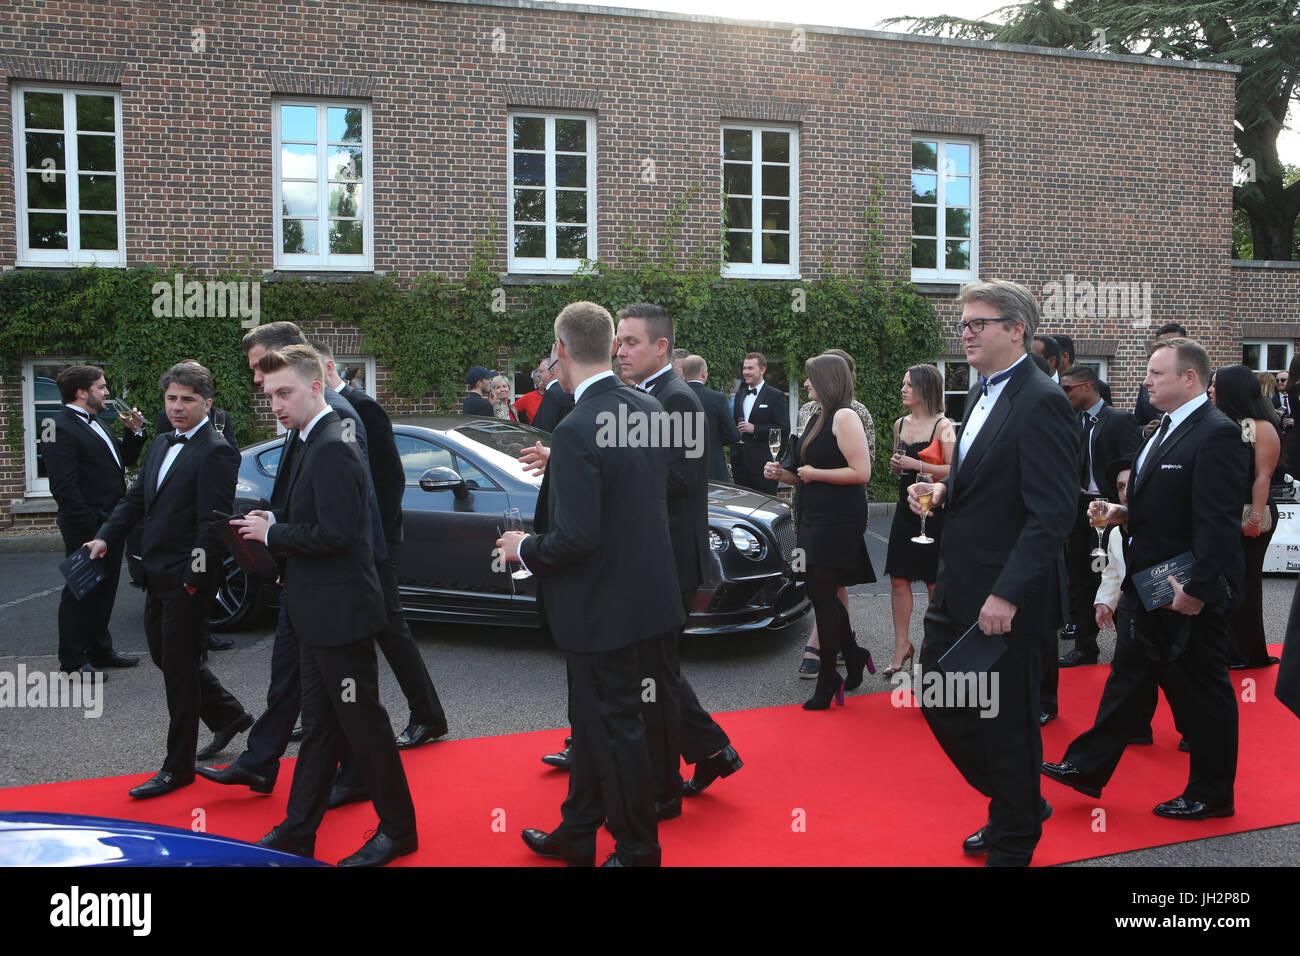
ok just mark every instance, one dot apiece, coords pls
pixel 932 454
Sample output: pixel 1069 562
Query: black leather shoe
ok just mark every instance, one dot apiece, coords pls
pixel 974 844
pixel 277 839
pixel 381 849
pixel 416 734
pixel 1070 775
pixel 615 860
pixel 543 844
pixel 1076 658
pixel 237 776
pixel 722 764
pixel 160 783
pixel 222 738
pixel 219 643
pixel 296 733
pixel 341 796
pixel 1044 717
pixel 86 670
pixel 114 659
pixel 669 810
pixel 1180 808
pixel 1184 746
pixel 1142 740
pixel 560 759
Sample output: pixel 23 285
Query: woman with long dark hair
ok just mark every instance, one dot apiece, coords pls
pixel 828 462
pixel 1235 391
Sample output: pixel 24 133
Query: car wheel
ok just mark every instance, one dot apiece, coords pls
pixel 235 602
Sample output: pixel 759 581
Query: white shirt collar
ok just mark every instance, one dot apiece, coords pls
pixel 304 432
pixel 1179 414
pixel 694 381
pixel 996 390
pixel 80 411
pixel 645 385
pixel 577 392
pixel 190 433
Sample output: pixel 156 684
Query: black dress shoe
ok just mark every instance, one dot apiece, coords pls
pixel 341 796
pixel 1044 717
pixel 669 810
pixel 86 670
pixel 113 659
pixel 615 860
pixel 722 764
pixel 219 643
pixel 974 844
pixel 560 759
pixel 235 775
pixel 1142 740
pixel 1070 775
pixel 296 733
pixel 568 741
pixel 222 738
pixel 416 734
pixel 1184 746
pixel 160 783
pixel 1180 808
pixel 381 849
pixel 543 844
pixel 277 839
pixel 1076 658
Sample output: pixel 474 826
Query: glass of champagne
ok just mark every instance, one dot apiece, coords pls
pixel 220 426
pixel 923 498
pixel 1097 515
pixel 514 521
pixel 774 438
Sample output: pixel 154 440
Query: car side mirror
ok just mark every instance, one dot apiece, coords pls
pixel 444 479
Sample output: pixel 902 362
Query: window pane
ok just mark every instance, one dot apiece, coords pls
pixel 956 377
pixel 1277 356
pixel 570 242
pixel 776 214
pixel 98 192
pixel 737 144
pixel 570 206
pixel 96 152
pixel 345 162
pixel 925 156
pixel 924 220
pixel 571 135
pixel 47 403
pixel 98 232
pixel 776 248
pixel 347 237
pixel 924 187
pixel 776 180
pixel 739 214
pixel 298 199
pixel 343 125
pixel 530 205
pixel 95 113
pixel 570 170
pixel 923 253
pixel 957 255
pixel 298 162
pixel 740 247
pixel 1250 356
pixel 47 230
pixel 42 146
pixel 530 241
pixel 46 195
pixel 298 122
pixel 776 147
pixel 957 222
pixel 300 237
pixel 956 158
pixel 43 110
pixel 530 169
pixel 956 191
pixel 346 199
pixel 737 179
pixel 530 132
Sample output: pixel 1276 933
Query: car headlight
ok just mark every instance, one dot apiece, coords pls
pixel 748 543
pixel 716 541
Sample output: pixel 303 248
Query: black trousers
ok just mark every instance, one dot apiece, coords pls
pixel 174 628
pixel 1000 756
pixel 1200 694
pixel 341 709
pixel 610 777
pixel 83 625
pixel 269 735
pixel 1084 578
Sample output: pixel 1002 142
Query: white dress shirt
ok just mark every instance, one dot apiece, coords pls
pixel 577 392
pixel 1112 576
pixel 1176 418
pixel 174 452
pixel 983 407
pixel 1093 412
pixel 751 400
pixel 645 385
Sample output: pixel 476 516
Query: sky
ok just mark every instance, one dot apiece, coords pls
pixel 868 15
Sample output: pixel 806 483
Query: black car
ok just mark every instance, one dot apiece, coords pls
pixel 461 475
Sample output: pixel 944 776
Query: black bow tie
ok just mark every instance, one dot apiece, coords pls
pixel 995 380
pixel 174 439
pixel 82 415
pixel 751 391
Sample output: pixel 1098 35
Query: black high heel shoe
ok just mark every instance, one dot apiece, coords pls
pixel 822 697
pixel 855 659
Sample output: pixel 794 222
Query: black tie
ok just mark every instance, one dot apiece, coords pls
pixel 1085 451
pixel 1155 446
pixel 174 439
pixel 751 391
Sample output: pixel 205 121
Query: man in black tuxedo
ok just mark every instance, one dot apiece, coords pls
pixel 756 409
pixel 1105 435
pixel 1144 413
pixel 676 725
pixel 334 605
pixel 556 401
pixel 1184 496
pixel 86 467
pixel 1009 501
pixel 187 475
pixel 720 427
pixel 602 510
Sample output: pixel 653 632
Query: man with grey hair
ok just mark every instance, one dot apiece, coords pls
pixel 556 401
pixel 1009 501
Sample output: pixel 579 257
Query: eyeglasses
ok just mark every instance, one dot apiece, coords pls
pixel 976 325
pixel 1071 385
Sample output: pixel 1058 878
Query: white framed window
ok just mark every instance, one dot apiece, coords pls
pixel 68 176
pixel 956 386
pixel 1098 363
pixel 358 370
pixel 552 175
pixel 760 201
pixel 1267 355
pixel 945 209
pixel 324 204
pixel 41 402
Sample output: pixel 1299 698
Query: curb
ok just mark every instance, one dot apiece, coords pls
pixel 31 543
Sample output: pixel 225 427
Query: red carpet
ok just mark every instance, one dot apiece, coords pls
pixel 861 785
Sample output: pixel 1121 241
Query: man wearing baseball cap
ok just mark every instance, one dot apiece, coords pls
pixel 479 381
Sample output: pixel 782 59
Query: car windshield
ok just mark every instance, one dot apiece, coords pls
pixel 499 444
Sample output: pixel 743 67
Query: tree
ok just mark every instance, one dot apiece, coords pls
pixel 1261 36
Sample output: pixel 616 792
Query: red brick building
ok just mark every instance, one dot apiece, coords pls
pixel 342 138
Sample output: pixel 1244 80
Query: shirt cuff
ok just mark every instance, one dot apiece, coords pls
pixel 266 538
pixel 521 554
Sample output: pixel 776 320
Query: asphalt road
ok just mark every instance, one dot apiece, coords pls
pixel 491 681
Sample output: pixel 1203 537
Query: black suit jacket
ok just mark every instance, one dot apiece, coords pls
pixel 770 408
pixel 331 589
pixel 162 424
pixel 385 461
pixel 346 413
pixel 688 483
pixel 176 516
pixel 87 483
pixel 1116 435
pixel 1010 505
pixel 556 404
pixel 720 428
pixel 602 554
pixel 1187 497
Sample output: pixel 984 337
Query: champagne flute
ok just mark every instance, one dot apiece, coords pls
pixel 923 498
pixel 220 426
pixel 1097 516
pixel 514 521
pixel 774 438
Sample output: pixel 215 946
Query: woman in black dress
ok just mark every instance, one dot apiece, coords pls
pixel 923 427
pixel 829 462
